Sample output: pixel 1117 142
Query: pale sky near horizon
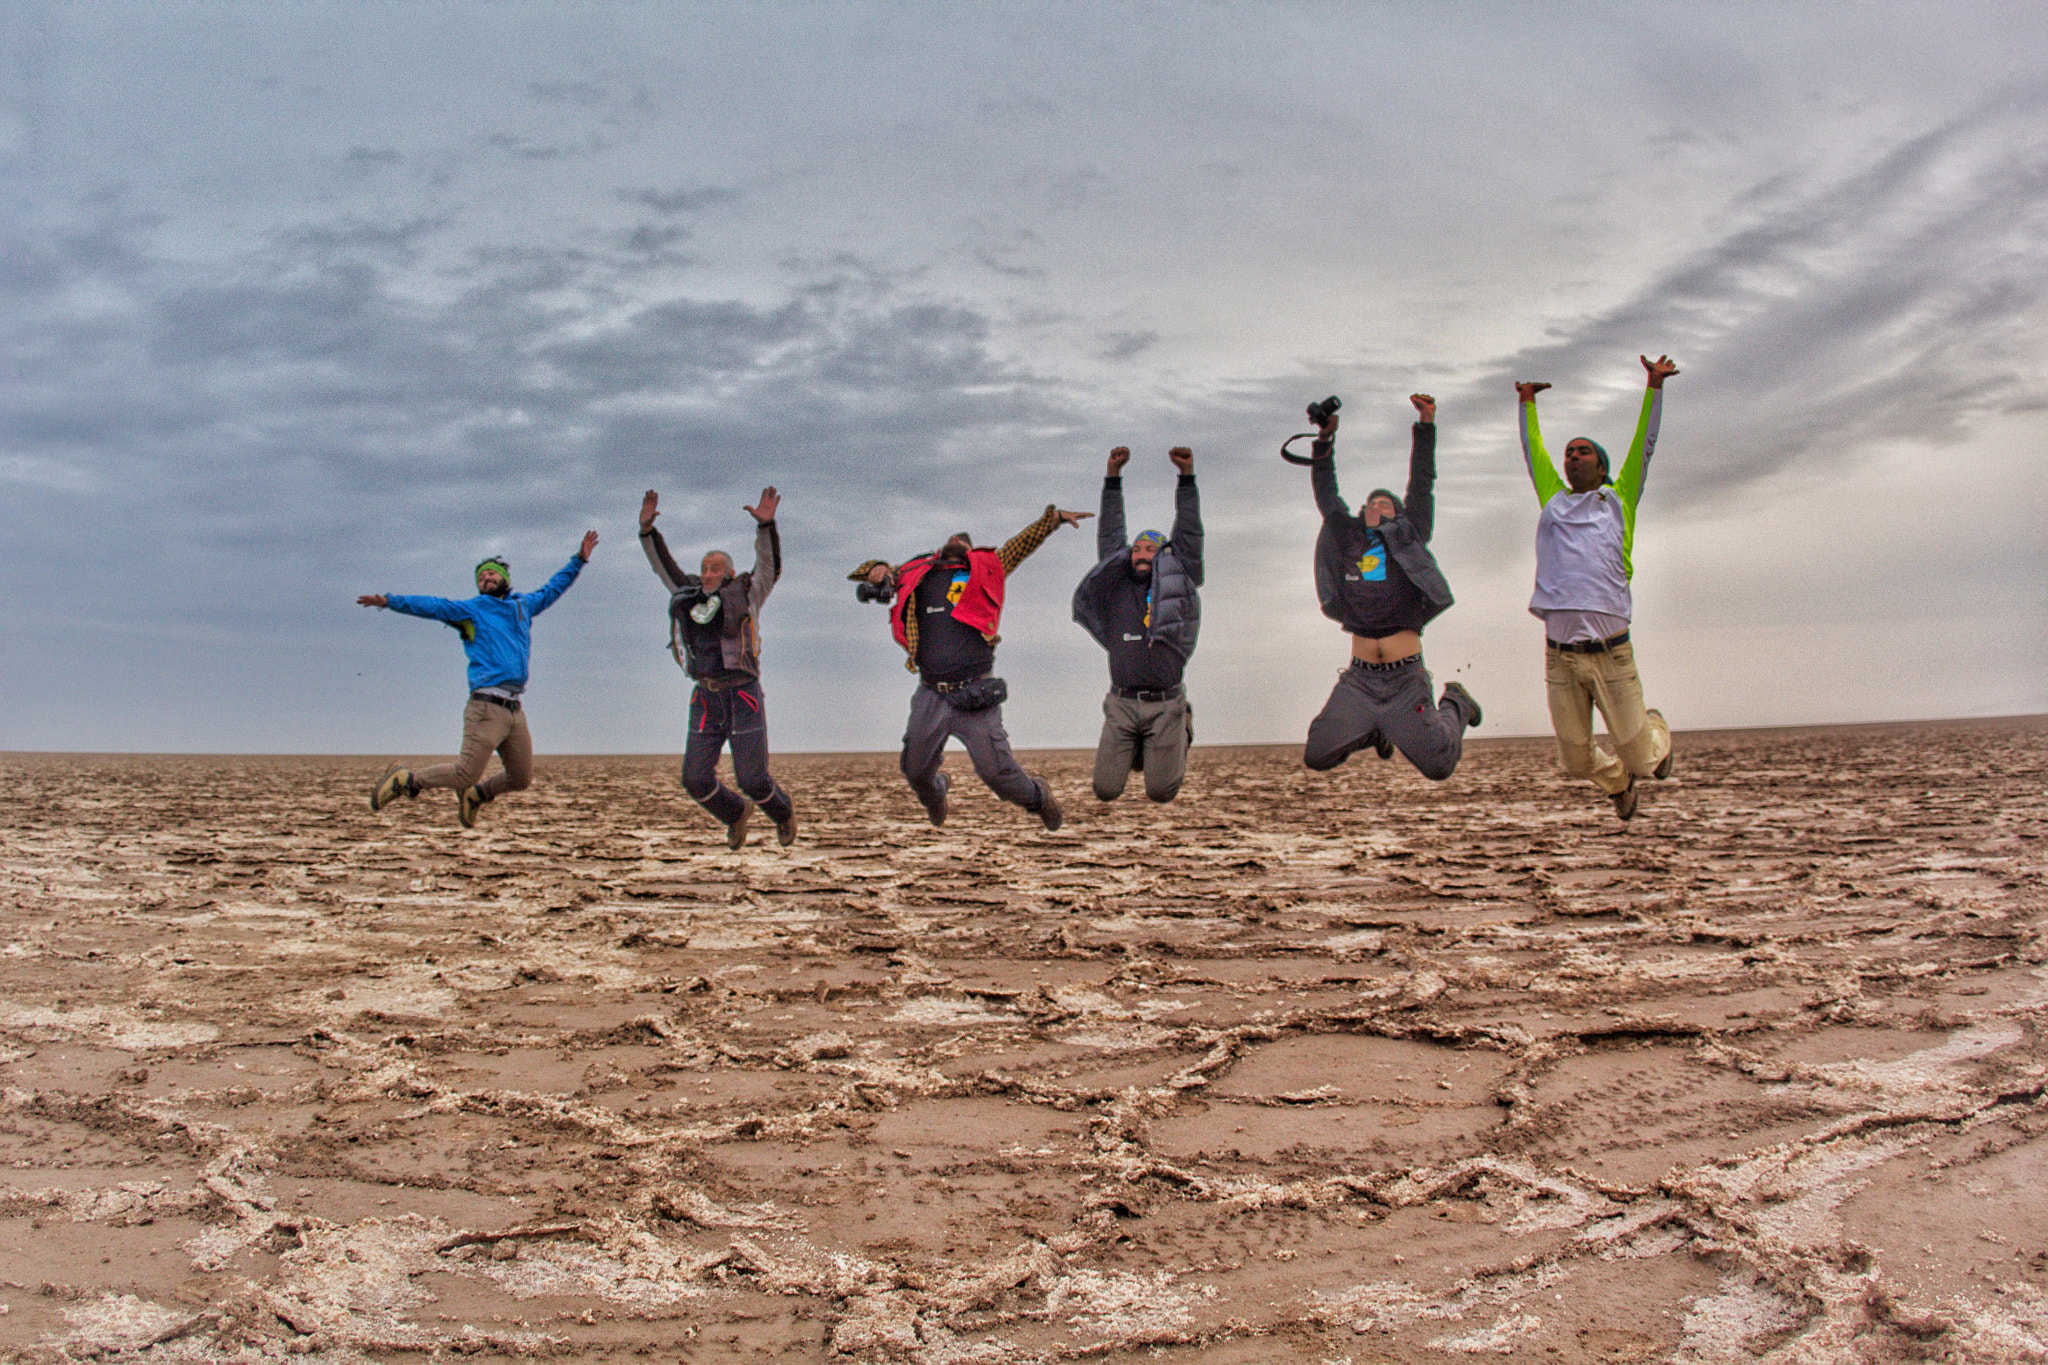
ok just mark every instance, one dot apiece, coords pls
pixel 312 300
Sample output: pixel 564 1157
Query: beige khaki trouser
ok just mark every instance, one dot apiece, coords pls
pixel 487 727
pixel 1580 682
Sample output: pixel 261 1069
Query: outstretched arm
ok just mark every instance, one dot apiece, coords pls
pixel 767 548
pixel 1635 466
pixel 433 608
pixel 1110 534
pixel 1421 502
pixel 1542 473
pixel 1187 514
pixel 544 597
pixel 1018 548
pixel 665 567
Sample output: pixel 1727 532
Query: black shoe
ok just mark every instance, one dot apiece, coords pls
pixel 1049 809
pixel 736 832
pixel 1663 769
pixel 1383 746
pixel 1625 800
pixel 936 813
pixel 1467 703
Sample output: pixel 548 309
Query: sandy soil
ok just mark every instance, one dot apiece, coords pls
pixel 1340 1067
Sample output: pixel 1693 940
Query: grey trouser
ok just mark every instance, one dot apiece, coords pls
pixel 1149 736
pixel 485 727
pixel 738 716
pixel 1395 703
pixel 933 720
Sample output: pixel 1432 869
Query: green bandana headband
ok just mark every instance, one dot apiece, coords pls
pixel 504 571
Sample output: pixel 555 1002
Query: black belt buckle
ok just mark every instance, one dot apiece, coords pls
pixel 1148 694
pixel 494 699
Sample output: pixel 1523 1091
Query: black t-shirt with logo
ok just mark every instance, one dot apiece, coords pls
pixel 947 651
pixel 1132 662
pixel 1378 595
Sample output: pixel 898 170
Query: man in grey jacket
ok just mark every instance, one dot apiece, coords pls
pixel 715 636
pixel 1142 604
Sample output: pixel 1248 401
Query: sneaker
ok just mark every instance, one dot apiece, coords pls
pixel 1049 809
pixel 785 830
pixel 1383 746
pixel 1625 801
pixel 468 804
pixel 937 813
pixel 1663 769
pixel 395 783
pixel 736 832
pixel 1467 703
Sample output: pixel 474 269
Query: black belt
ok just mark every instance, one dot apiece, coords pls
pixel 1589 646
pixel 1386 666
pixel 944 689
pixel 722 684
pixel 494 699
pixel 1149 694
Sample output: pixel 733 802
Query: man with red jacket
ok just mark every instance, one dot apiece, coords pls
pixel 945 612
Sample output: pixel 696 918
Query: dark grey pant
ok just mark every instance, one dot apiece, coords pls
pixel 1368 703
pixel 737 716
pixel 1148 736
pixel 934 720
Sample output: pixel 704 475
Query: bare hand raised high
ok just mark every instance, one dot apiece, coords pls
pixel 1183 459
pixel 1527 392
pixel 764 511
pixel 1118 458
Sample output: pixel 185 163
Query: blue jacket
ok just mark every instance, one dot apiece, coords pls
pixel 496 631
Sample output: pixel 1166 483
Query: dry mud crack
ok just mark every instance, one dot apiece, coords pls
pixel 1339 1067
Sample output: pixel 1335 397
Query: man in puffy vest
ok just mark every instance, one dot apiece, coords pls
pixel 715 636
pixel 945 608
pixel 1584 537
pixel 1142 605
pixel 1376 576
pixel 496 628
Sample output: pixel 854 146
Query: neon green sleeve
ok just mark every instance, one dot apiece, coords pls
pixel 1635 469
pixel 1542 472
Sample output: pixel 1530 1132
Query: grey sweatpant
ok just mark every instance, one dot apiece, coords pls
pixel 934 720
pixel 1151 736
pixel 1394 702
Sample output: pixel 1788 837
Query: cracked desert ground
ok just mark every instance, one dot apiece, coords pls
pixel 1339 1067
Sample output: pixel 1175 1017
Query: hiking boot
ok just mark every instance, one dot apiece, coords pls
pixel 937 813
pixel 1467 703
pixel 1049 809
pixel 395 783
pixel 736 832
pixel 1663 769
pixel 1625 800
pixel 1382 746
pixel 785 830
pixel 468 804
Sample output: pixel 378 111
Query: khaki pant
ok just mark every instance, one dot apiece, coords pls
pixel 485 727
pixel 1580 682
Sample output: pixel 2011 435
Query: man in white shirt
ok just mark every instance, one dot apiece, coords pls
pixel 1584 536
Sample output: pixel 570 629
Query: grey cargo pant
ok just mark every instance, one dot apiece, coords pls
pixel 1393 702
pixel 1148 736
pixel 933 720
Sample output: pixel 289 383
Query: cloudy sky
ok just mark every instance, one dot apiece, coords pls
pixel 311 300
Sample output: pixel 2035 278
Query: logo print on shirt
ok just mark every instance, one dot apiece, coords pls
pixel 1372 566
pixel 958 588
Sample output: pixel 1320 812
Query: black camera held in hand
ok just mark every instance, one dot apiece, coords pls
pixel 883 592
pixel 1321 414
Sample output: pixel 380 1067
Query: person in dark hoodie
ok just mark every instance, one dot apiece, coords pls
pixel 945 610
pixel 496 627
pixel 1141 603
pixel 715 636
pixel 1376 576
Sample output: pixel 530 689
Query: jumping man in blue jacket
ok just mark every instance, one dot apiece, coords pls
pixel 1142 604
pixel 496 630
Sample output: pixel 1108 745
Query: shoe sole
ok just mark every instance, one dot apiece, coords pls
pixel 378 799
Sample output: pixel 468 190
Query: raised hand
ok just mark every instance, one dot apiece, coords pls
pixel 1183 459
pixel 589 544
pixel 373 599
pixel 1425 407
pixel 1118 458
pixel 1075 518
pixel 1660 369
pixel 764 511
pixel 1527 392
